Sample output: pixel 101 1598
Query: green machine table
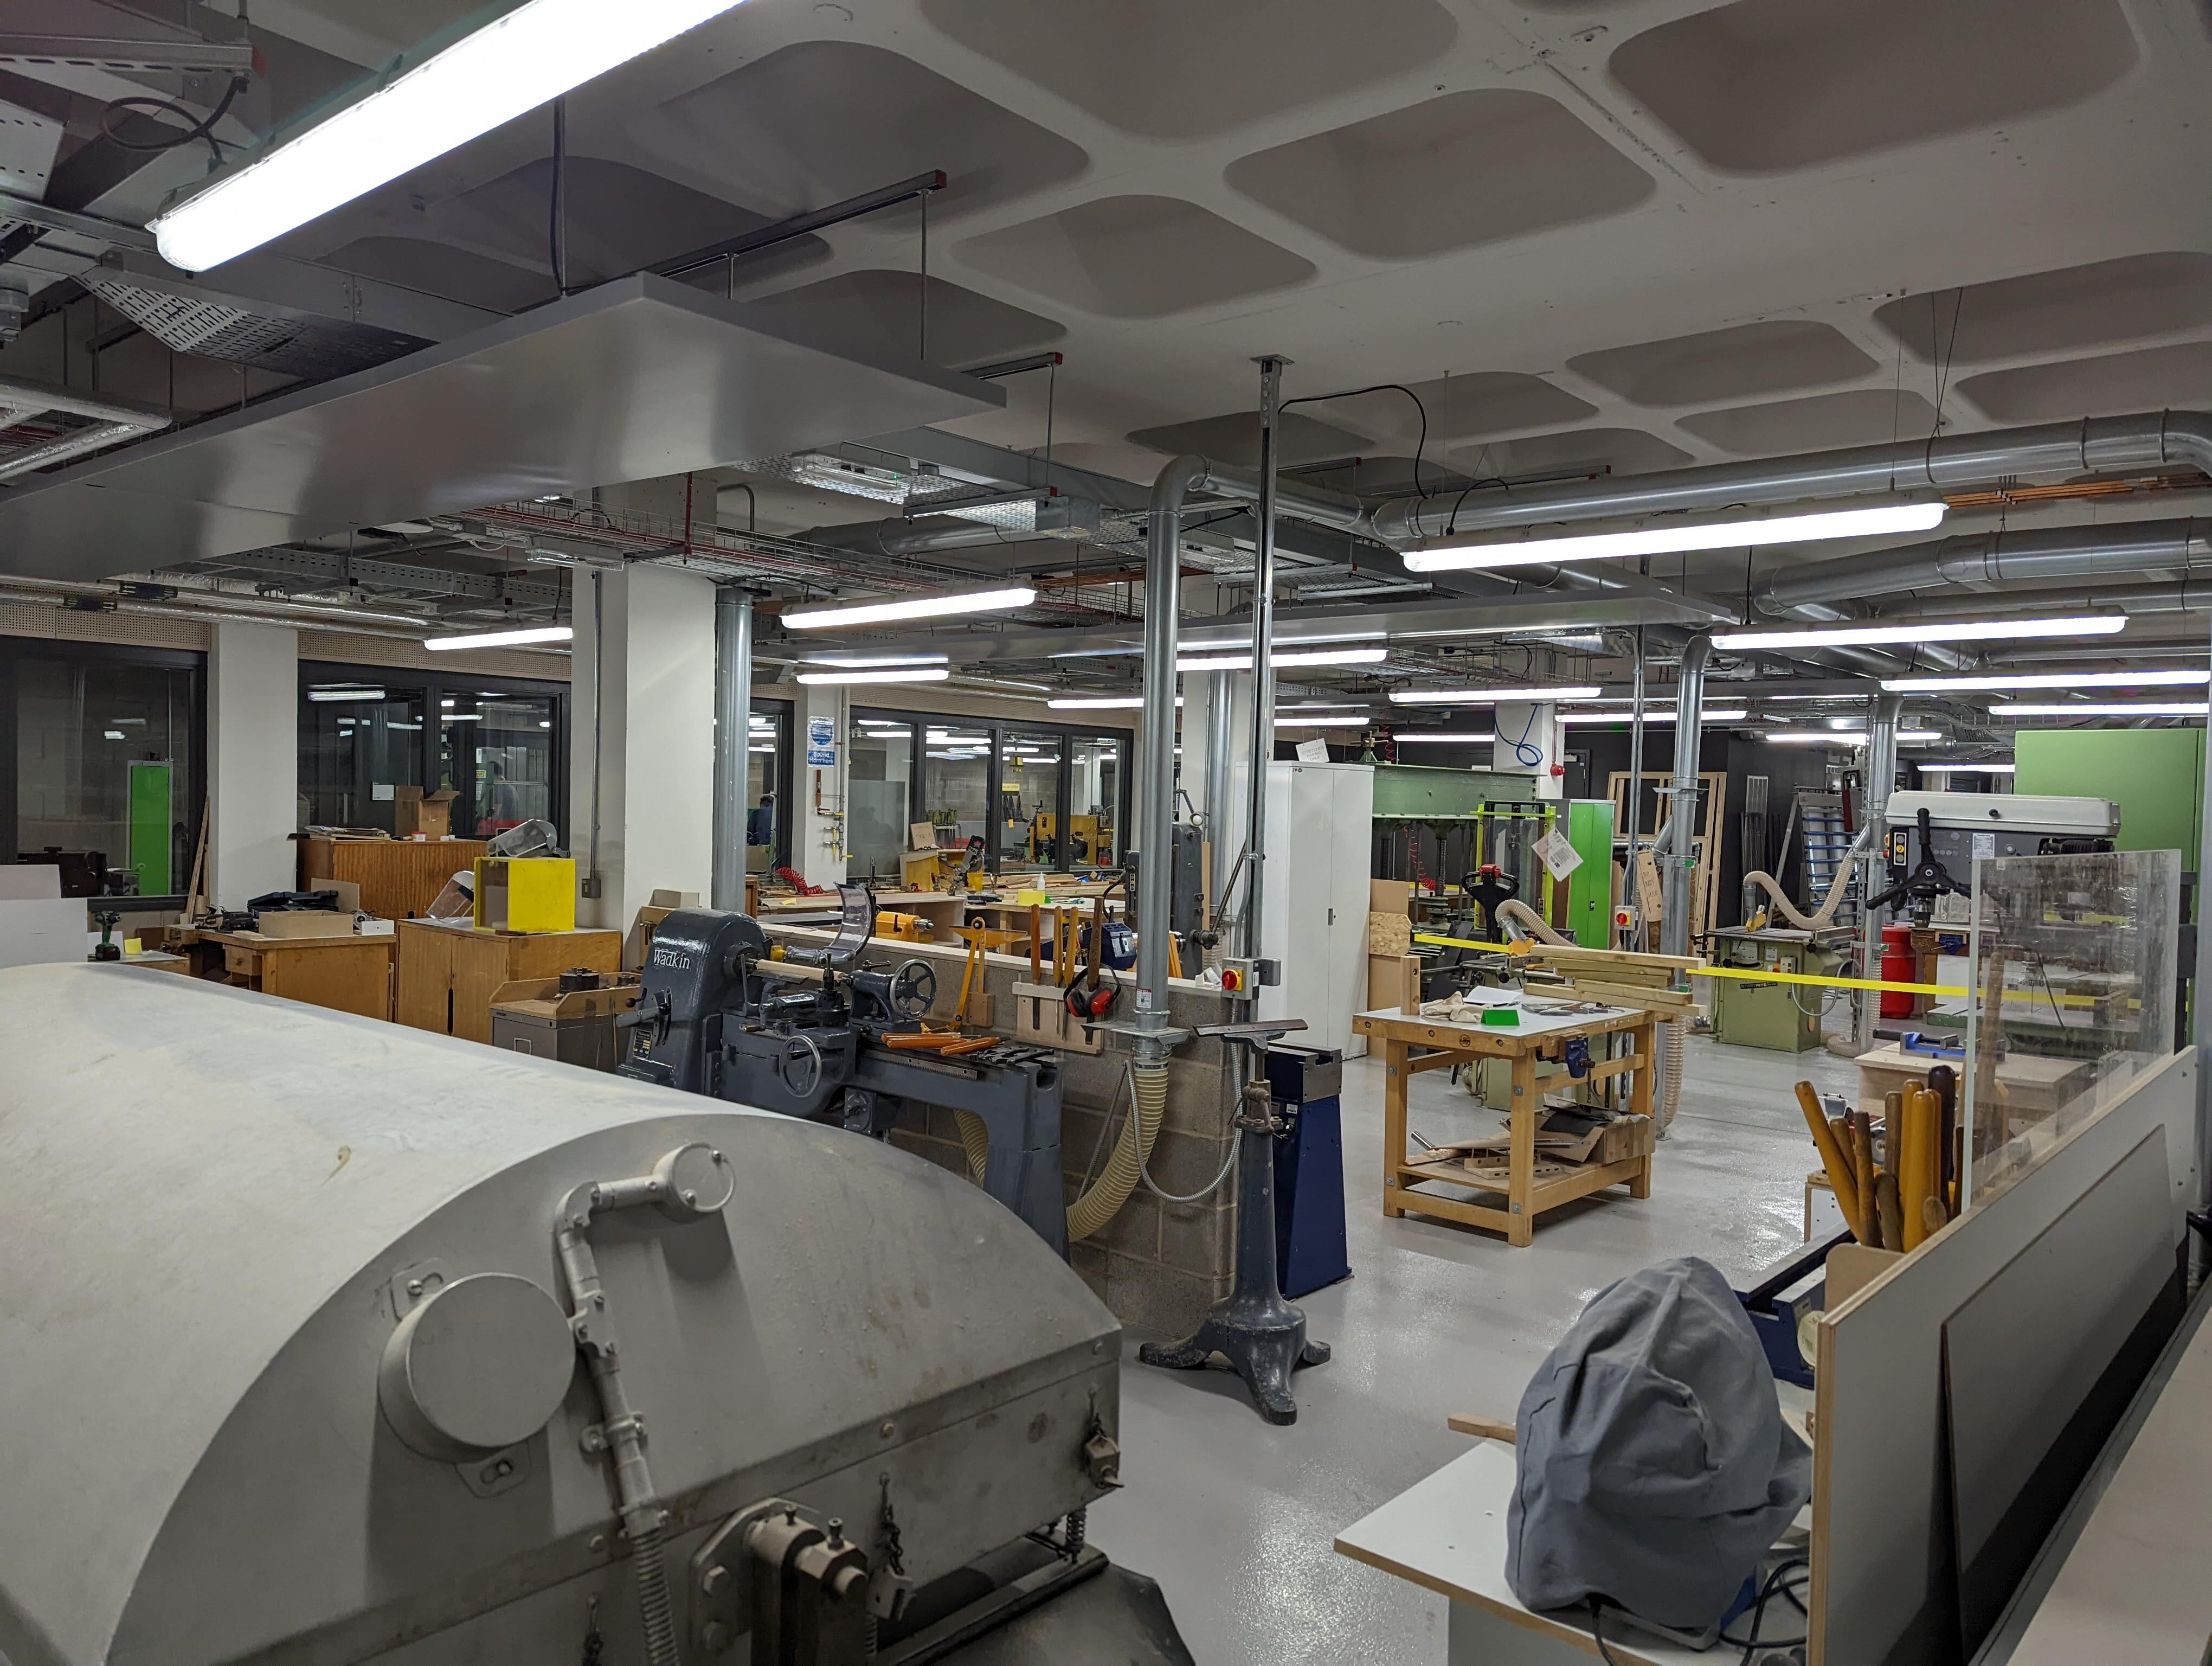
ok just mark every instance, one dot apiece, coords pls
pixel 1781 1017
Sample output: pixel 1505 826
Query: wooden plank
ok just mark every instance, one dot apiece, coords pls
pixel 1656 1000
pixel 1882 1587
pixel 1483 1428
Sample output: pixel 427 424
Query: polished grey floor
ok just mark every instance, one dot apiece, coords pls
pixel 1236 1518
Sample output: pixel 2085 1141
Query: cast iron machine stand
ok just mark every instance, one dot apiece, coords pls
pixel 1262 1336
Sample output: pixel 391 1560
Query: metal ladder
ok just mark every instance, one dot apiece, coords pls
pixel 1819 817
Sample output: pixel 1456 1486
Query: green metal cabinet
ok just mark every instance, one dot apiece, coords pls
pixel 1589 887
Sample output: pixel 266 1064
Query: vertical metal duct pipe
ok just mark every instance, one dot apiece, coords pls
pixel 1219 727
pixel 1682 808
pixel 1880 782
pixel 1163 600
pixel 2200 1024
pixel 733 708
pixel 1263 660
pixel 1635 761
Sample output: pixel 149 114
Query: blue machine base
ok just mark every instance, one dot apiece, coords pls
pixel 1310 1247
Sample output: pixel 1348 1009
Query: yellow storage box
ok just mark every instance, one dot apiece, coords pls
pixel 525 894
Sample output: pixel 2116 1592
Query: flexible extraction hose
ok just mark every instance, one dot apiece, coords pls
pixel 1825 915
pixel 1670 1084
pixel 1103 1198
pixel 1516 912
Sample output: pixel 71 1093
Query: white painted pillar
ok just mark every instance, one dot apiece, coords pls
pixel 253 769
pixel 817 840
pixel 642 732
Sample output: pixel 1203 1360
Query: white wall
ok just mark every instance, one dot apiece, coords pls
pixel 817 838
pixel 253 750
pixel 654 761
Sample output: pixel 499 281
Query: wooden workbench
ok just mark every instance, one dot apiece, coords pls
pixel 398 876
pixel 347 974
pixel 1412 1044
pixel 448 974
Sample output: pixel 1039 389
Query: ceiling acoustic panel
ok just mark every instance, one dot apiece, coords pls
pixel 822 120
pixel 1172 68
pixel 1769 86
pixel 1235 439
pixel 634 380
pixel 1135 257
pixel 1470 168
pixel 1584 450
pixel 2155 378
pixel 1858 416
pixel 1735 363
pixel 2043 312
pixel 444 270
pixel 880 311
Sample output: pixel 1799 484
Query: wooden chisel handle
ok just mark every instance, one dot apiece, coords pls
pixel 1839 1165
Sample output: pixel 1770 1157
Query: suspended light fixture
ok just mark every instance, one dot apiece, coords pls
pixel 2051 679
pixel 1927 630
pixel 1673 535
pixel 1102 702
pixel 908 674
pixel 2094 709
pixel 1658 715
pixel 873 661
pixel 910 607
pixel 1488 696
pixel 1442 738
pixel 1319 656
pixel 519 638
pixel 510 66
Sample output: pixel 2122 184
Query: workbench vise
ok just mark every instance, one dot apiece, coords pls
pixel 813 1033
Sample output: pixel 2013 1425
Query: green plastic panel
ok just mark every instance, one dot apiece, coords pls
pixel 150 828
pixel 2156 777
pixel 1411 791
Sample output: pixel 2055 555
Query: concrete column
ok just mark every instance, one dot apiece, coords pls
pixel 641 805
pixel 733 697
pixel 253 750
pixel 817 839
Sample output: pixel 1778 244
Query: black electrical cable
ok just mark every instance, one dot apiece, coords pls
pixel 1420 447
pixel 1775 1581
pixel 199 130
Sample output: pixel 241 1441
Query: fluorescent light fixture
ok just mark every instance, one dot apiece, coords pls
pixel 445 702
pixel 1295 722
pixel 403 726
pixel 1442 738
pixel 1966 768
pixel 910 607
pixel 544 722
pixel 1488 696
pixel 521 638
pixel 526 58
pixel 2093 708
pixel 1329 706
pixel 873 662
pixel 882 722
pixel 835 678
pixel 768 752
pixel 325 697
pixel 1109 702
pixel 1673 537
pixel 460 717
pixel 2051 679
pixel 1325 656
pixel 1659 715
pixel 1851 737
pixel 116 734
pixel 1928 631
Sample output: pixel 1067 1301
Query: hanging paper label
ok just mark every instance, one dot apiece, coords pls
pixel 1560 857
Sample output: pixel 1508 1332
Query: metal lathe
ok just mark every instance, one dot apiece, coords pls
pixel 328 1341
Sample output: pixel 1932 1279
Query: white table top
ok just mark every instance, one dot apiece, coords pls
pixel 1532 1023
pixel 1447 1533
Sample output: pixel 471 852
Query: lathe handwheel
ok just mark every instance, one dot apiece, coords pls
pixel 800 1067
pixel 913 988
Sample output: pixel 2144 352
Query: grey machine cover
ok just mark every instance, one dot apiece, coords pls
pixel 1655 1467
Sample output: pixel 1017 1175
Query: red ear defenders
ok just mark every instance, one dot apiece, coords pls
pixel 1087 998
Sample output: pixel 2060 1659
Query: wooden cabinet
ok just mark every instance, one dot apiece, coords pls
pixel 397 877
pixel 448 974
pixel 345 974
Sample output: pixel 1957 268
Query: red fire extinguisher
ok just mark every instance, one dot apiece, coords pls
pixel 1899 964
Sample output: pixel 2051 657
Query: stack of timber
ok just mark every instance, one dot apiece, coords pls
pixel 1620 977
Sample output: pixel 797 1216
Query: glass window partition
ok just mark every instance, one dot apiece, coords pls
pixel 1031 770
pixel 1098 766
pixel 2072 963
pixel 497 753
pixel 956 779
pixel 879 793
pixel 767 754
pixel 359 740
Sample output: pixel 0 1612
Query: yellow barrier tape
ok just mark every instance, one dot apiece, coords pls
pixel 1469 943
pixel 1748 974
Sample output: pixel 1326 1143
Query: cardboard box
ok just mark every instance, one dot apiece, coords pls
pixel 430 814
pixel 1390 897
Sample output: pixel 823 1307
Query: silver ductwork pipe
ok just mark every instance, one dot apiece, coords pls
pixel 1163 606
pixel 1682 808
pixel 927 535
pixel 734 710
pixel 2095 446
pixel 2029 555
pixel 1881 782
pixel 1263 663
